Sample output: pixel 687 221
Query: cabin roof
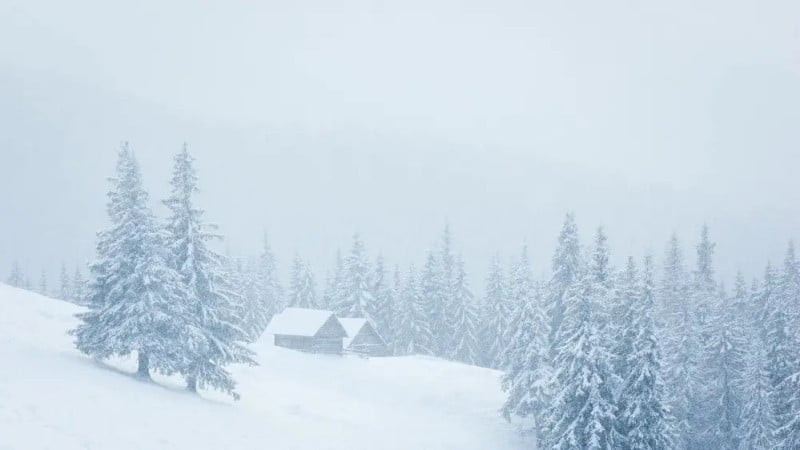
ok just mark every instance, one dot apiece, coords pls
pixel 299 322
pixel 352 325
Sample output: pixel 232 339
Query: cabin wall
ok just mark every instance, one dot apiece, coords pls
pixel 294 342
pixel 327 345
pixel 367 342
pixel 309 344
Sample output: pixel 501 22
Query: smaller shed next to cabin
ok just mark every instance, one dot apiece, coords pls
pixel 362 338
pixel 308 330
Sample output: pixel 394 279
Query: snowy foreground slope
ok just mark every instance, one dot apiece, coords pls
pixel 51 396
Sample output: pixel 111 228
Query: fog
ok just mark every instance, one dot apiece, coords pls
pixel 313 120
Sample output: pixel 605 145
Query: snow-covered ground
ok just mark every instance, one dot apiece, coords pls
pixel 53 397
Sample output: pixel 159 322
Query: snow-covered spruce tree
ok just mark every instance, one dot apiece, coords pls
pixel 789 431
pixel 779 353
pixel 334 285
pixel 356 297
pixel 136 300
pixel 627 296
pixel 757 423
pixel 390 333
pixel 464 347
pixel 431 300
pixel 443 317
pixel 528 374
pixel 704 285
pixel 674 286
pixel 212 337
pixel 726 362
pixel 404 329
pixel 302 288
pixel 582 411
pixel 16 278
pixel 412 334
pixel 495 315
pixel 782 344
pixel 525 323
pixel 270 293
pixel 240 275
pixel 566 270
pixel 643 417
pixel 382 308
pixel 704 300
pixel 680 342
pixel 79 287
pixel 65 289
pixel 42 289
pixel 237 276
pixel 790 287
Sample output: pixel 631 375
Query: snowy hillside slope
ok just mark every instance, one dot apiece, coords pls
pixel 52 397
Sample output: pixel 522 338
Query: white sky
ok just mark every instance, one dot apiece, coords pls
pixel 389 117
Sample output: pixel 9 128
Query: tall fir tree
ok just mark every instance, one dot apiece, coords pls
pixel 626 297
pixel 356 298
pixel 704 300
pixel 527 377
pixel 382 310
pixel 135 299
pixel 680 341
pixel 495 316
pixel 566 271
pixel 270 293
pixel 431 302
pixel 704 285
pixel 412 334
pixel 790 287
pixel 727 365
pixel 582 412
pixel 782 342
pixel 334 285
pixel 65 288
pixel 239 273
pixel 464 346
pixel 16 278
pixel 79 288
pixel 757 423
pixel 43 288
pixel 302 287
pixel 520 333
pixel 778 349
pixel 643 416
pixel 391 332
pixel 213 339
pixel 443 318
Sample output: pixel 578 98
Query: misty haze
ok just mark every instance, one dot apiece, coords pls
pixel 399 225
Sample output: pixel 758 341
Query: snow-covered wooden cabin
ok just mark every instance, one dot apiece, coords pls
pixel 308 330
pixel 362 338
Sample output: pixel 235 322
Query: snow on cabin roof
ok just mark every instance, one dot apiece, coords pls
pixel 352 325
pixel 298 321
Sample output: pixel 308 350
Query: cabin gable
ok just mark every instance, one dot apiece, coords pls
pixel 331 329
pixel 367 342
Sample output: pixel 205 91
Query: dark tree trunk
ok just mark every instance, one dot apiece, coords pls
pixel 144 366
